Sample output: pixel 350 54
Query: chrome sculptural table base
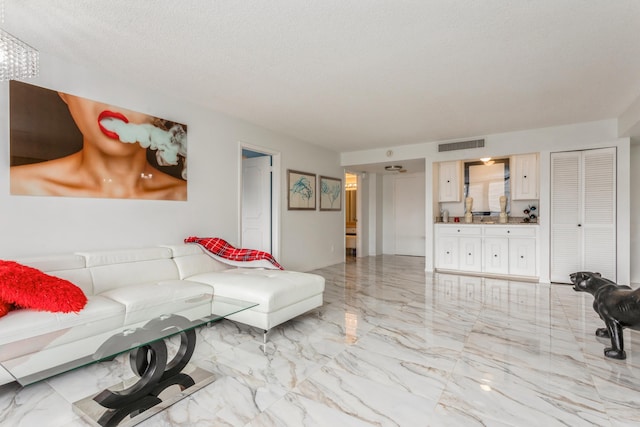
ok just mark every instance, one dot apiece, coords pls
pixel 92 412
pixel 159 383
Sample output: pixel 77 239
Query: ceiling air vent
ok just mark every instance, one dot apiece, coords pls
pixel 462 145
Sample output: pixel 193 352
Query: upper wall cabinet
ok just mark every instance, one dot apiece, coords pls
pixel 524 177
pixel 449 181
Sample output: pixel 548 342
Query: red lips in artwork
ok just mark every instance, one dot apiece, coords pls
pixel 113 115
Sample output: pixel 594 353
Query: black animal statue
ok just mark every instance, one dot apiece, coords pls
pixel 617 305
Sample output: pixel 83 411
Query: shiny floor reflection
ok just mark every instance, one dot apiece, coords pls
pixel 392 346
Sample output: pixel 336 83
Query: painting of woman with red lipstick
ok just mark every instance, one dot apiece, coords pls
pixel 65 145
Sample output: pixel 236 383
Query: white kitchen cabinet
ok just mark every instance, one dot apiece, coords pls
pixel 524 177
pixel 447 253
pixel 450 187
pixel 497 250
pixel 522 257
pixel 496 253
pixel 470 255
pixel 459 248
pixel 510 250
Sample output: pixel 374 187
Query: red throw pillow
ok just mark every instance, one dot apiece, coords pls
pixel 5 307
pixel 28 287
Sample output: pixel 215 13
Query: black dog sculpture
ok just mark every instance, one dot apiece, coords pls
pixel 617 305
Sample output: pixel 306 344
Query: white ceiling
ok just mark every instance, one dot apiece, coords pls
pixel 407 166
pixel 355 74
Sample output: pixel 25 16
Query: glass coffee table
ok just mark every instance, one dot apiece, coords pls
pixel 158 382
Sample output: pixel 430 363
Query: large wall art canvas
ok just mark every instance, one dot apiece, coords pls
pixel 65 145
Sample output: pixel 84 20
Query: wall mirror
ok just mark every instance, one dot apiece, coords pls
pixel 485 182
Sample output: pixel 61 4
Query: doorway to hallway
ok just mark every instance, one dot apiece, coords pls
pixel 351 214
pixel 259 206
pixel 391 207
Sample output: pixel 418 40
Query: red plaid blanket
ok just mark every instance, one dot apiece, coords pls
pixel 223 249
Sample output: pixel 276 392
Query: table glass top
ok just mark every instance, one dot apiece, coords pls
pixel 23 369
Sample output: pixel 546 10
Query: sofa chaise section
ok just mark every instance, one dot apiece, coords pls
pixel 281 294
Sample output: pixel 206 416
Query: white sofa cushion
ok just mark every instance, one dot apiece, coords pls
pixel 191 265
pixel 117 268
pixel 54 262
pixel 36 330
pixel 193 259
pixel 122 256
pixel 184 249
pixel 258 263
pixel 69 267
pixel 272 289
pixel 266 321
pixel 146 301
pixel 114 276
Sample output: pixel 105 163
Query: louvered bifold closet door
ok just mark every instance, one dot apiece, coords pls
pixel 566 201
pixel 583 213
pixel 599 223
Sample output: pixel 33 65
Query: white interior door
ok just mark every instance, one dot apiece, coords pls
pixel 566 201
pixel 583 213
pixel 409 214
pixel 256 203
pixel 599 218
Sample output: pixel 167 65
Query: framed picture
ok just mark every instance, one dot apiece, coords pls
pixel 330 194
pixel 55 134
pixel 302 190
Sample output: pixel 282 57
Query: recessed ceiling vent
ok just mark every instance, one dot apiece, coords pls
pixel 462 145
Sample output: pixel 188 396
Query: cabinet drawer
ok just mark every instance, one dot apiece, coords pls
pixel 459 230
pixel 519 231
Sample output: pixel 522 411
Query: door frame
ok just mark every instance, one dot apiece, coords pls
pixel 585 226
pixel 275 193
pixel 360 252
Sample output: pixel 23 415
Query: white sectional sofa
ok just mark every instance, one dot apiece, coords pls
pixel 127 288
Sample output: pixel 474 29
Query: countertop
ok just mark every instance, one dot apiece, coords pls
pixel 487 221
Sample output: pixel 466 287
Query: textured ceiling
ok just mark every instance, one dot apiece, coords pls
pixel 353 75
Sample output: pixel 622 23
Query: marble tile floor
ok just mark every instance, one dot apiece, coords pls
pixel 391 346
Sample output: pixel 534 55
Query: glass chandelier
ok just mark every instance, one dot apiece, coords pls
pixel 18 60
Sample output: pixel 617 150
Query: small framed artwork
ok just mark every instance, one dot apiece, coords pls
pixel 302 190
pixel 330 194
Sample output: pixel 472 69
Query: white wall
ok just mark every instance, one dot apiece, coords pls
pixel 596 134
pixel 635 216
pixel 41 225
pixel 374 182
pixel 363 214
pixel 393 214
pixel 388 217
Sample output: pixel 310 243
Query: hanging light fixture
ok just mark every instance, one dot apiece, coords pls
pixel 487 161
pixel 18 60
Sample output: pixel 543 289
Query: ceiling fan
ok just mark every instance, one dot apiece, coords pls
pixel 395 168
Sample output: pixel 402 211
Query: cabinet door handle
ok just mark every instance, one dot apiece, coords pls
pixel 521 256
pixel 508 231
pixel 448 252
pixel 495 255
pixel 579 225
pixel 525 176
pixel 448 181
